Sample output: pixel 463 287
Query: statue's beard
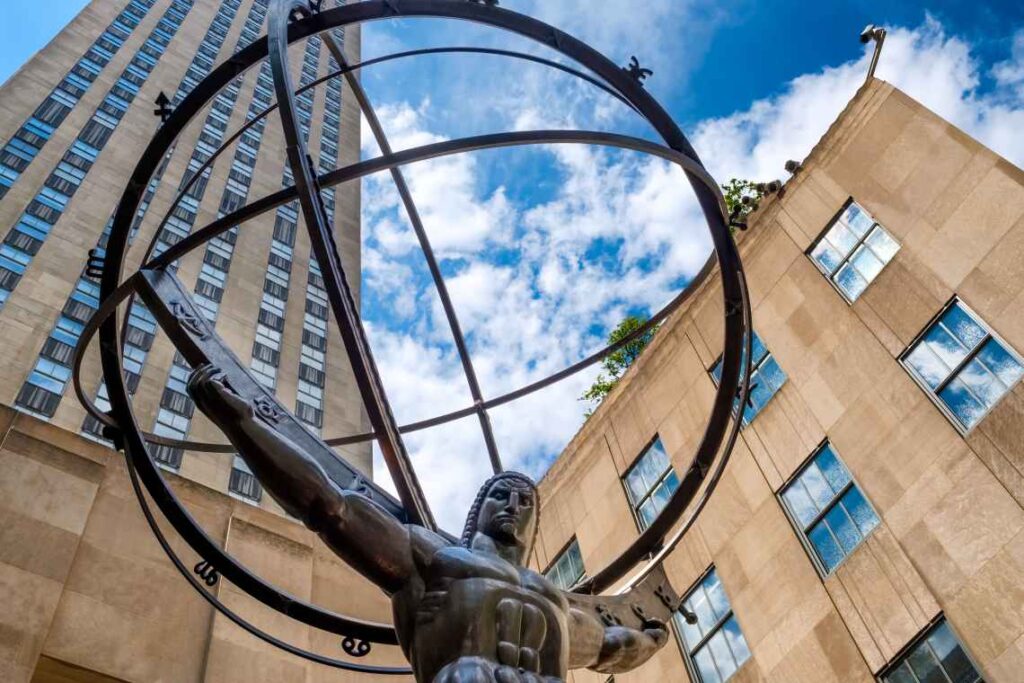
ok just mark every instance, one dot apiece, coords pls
pixel 504 530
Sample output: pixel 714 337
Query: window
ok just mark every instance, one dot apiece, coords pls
pixel 962 365
pixel 853 251
pixel 936 656
pixel 243 482
pixel 714 646
pixel 650 482
pixel 567 569
pixel 828 508
pixel 766 378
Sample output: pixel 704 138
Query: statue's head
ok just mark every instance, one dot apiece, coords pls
pixel 506 509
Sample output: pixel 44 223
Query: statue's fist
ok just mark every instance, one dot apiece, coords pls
pixel 656 630
pixel 215 397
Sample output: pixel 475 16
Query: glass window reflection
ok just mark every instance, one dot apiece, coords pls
pixel 964 367
pixel 853 251
pixel 828 508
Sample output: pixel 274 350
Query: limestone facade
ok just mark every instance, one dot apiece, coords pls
pixel 949 543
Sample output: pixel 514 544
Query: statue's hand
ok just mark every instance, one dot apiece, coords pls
pixel 656 630
pixel 212 394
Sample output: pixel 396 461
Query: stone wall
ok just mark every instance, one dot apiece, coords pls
pixel 951 537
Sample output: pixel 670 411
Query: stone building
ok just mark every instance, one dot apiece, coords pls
pixel 870 521
pixel 871 512
pixel 86 594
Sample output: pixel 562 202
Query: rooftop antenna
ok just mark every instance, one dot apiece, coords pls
pixel 877 34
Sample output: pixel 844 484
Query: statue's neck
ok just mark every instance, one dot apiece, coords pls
pixel 512 553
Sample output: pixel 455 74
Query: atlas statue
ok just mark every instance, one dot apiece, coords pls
pixel 464 609
pixel 465 612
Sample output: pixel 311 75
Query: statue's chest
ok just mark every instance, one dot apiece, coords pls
pixel 455 564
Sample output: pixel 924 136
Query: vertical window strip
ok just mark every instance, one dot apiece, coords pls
pixel 142 326
pixel 29 140
pixel 45 210
pixel 217 257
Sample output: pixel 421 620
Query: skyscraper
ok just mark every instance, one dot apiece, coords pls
pixel 75 118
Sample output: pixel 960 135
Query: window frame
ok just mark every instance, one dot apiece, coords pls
pixel 801 530
pixel 685 650
pixel 900 657
pixel 635 508
pixel 933 395
pixel 755 368
pixel 830 278
pixel 573 540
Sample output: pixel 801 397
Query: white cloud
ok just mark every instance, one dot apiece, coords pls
pixel 526 280
pixel 935 68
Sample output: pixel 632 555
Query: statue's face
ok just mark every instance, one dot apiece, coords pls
pixel 509 513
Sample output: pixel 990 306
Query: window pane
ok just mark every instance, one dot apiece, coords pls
pixel 925 666
pixel 723 656
pixel 982 383
pixel 867 263
pixel 821 492
pixel 635 485
pixel 882 244
pixel 858 221
pixel 961 324
pixel 948 349
pixel 737 643
pixel 857 507
pixel 828 550
pixel 965 407
pixel 999 361
pixel 772 375
pixel 757 349
pixel 901 675
pixel 691 632
pixel 842 240
pixel 851 282
pixel 800 503
pixel 952 657
pixel 928 366
pixel 705 667
pixel 843 528
pixel 834 471
pixel 716 596
pixel 827 257
pixel 701 606
pixel 647 513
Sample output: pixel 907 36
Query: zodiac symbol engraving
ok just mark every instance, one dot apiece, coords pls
pixel 189 320
pixel 266 409
pixel 355 647
pixel 207 572
pixel 94 264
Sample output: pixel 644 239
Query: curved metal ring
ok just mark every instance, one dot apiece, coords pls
pixel 386 162
pixel 373 10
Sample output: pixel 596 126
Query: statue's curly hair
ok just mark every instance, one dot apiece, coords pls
pixel 472 519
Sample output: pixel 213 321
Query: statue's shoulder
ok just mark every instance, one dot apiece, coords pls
pixel 425 543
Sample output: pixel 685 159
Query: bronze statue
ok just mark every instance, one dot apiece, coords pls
pixel 464 613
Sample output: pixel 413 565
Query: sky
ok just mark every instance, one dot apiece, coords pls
pixel 546 249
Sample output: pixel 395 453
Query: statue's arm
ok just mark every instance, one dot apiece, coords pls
pixel 611 649
pixel 358 530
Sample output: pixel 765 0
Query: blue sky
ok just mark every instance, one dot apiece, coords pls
pixel 545 249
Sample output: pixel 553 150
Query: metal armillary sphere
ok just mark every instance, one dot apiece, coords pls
pixel 292 21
